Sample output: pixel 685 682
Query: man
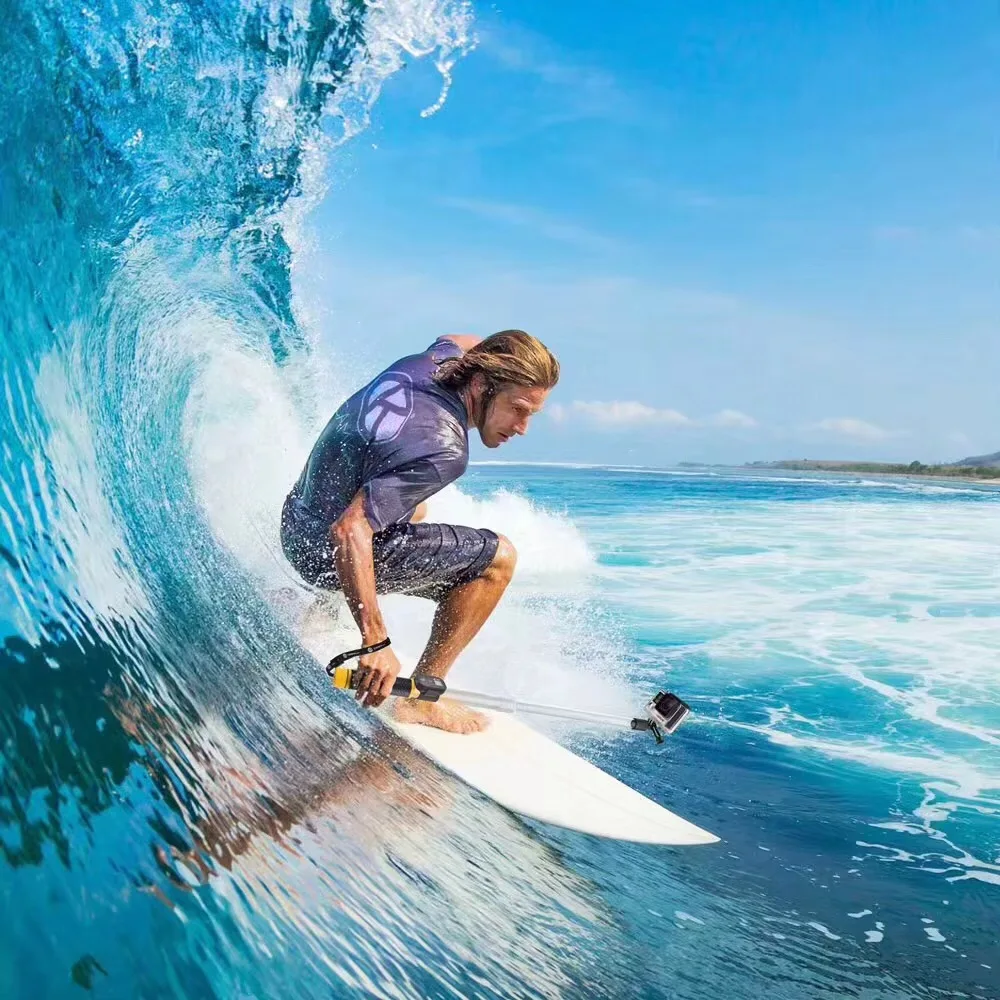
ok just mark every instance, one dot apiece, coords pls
pixel 354 520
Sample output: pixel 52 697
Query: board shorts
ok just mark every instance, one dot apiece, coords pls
pixel 422 559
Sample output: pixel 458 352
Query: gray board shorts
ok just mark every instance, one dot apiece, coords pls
pixel 423 559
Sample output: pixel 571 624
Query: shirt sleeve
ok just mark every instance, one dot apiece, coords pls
pixel 392 496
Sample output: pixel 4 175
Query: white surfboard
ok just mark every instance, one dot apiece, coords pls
pixel 526 772
pixel 532 775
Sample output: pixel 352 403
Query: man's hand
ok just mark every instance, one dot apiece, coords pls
pixel 376 673
pixel 351 535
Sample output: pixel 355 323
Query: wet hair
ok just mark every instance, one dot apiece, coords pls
pixel 508 358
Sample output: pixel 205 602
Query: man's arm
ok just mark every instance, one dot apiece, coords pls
pixel 464 340
pixel 351 535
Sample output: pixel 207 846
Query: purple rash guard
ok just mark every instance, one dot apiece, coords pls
pixel 401 438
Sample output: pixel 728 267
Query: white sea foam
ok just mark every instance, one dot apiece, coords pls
pixel 548 544
pixel 247 442
pixel 824 930
pixel 804 607
pixel 95 568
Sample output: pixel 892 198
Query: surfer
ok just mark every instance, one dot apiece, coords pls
pixel 354 520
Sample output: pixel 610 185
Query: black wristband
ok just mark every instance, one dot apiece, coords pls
pixel 342 658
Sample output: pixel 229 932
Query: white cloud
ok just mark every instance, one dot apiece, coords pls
pixel 621 413
pixel 660 193
pixel 629 413
pixel 526 217
pixel 854 429
pixel 577 90
pixel 732 418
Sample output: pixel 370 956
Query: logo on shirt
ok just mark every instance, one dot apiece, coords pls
pixel 387 405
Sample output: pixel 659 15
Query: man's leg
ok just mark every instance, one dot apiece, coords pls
pixel 458 618
pixel 462 613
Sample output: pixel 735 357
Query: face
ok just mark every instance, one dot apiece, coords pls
pixel 509 413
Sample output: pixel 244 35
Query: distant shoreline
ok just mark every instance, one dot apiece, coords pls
pixel 915 470
pixel 694 468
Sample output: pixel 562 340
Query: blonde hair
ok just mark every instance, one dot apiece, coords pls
pixel 511 357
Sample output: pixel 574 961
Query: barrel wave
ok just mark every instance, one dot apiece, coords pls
pixel 185 808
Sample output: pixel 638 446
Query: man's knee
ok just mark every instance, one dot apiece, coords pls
pixel 502 568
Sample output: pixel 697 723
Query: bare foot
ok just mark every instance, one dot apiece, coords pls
pixel 447 714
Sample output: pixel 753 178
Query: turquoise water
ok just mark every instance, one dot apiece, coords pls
pixel 837 640
pixel 187 809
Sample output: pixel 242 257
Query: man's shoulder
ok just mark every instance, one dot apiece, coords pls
pixel 420 367
pixel 423 364
pixel 405 408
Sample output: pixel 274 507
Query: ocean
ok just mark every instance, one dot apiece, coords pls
pixel 186 807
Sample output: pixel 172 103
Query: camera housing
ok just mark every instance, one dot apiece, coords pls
pixel 664 713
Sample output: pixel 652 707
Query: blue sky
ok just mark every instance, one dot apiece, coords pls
pixel 749 230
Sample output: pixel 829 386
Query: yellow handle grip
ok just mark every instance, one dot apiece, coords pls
pixel 418 688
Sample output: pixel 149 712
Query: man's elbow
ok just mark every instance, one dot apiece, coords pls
pixel 352 526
